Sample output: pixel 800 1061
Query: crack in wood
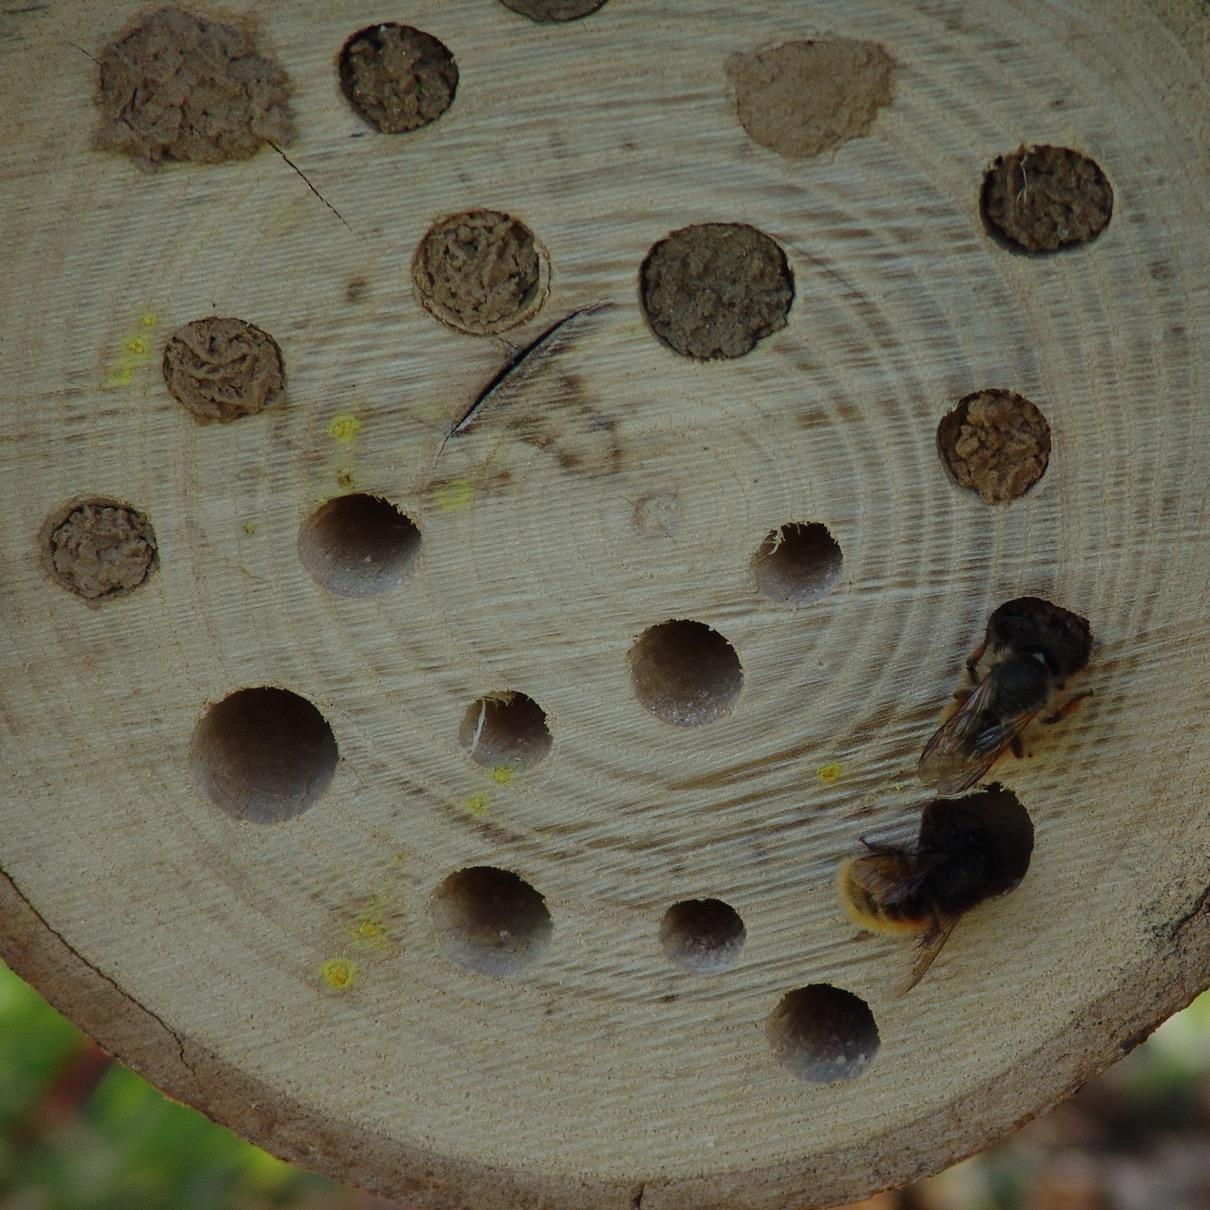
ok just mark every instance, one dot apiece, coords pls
pixel 1199 906
pixel 636 1202
pixel 544 340
pixel 307 180
pixel 100 974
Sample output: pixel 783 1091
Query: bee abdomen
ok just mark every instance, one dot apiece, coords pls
pixel 869 912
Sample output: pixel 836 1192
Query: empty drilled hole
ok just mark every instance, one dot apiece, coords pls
pixel 1043 199
pixel 553 10
pixel 490 920
pixel 358 545
pixel 263 755
pixel 996 443
pixel 505 729
pixel 822 1034
pixel 715 290
pixel 797 563
pixel 685 673
pixel 703 935
pixel 397 78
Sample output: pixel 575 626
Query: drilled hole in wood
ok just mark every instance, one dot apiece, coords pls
pixel 996 443
pixel 715 290
pixel 222 369
pixel 505 728
pixel 99 549
pixel 263 755
pixel 798 563
pixel 1043 199
pixel 554 10
pixel 685 673
pixel 480 272
pixel 490 920
pixel 358 545
pixel 702 935
pixel 397 78
pixel 822 1034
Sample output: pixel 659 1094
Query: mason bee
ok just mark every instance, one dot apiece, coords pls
pixel 1030 649
pixel 968 850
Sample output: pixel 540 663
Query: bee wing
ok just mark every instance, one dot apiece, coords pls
pixel 930 946
pixel 890 878
pixel 966 745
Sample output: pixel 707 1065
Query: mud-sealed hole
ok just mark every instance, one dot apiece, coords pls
pixel 396 78
pixel 99 549
pixel 263 755
pixel 702 935
pixel 480 272
pixel 182 87
pixel 685 672
pixel 490 920
pixel 806 97
pixel 822 1034
pixel 996 443
pixel 505 728
pixel 221 369
pixel 358 545
pixel 797 563
pixel 1043 199
pixel 715 290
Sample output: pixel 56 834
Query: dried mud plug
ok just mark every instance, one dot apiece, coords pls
pixel 968 850
pixel 1043 199
pixel 99 549
pixel 177 86
pixel 996 443
pixel 222 369
pixel 1020 670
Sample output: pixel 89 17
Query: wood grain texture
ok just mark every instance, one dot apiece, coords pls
pixel 608 486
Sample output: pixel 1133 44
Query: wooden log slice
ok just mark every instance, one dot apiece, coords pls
pixel 477 555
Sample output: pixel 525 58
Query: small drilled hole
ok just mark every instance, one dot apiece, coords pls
pixel 553 10
pixel 996 443
pixel 715 290
pixel 263 755
pixel 505 729
pixel 99 549
pixel 480 272
pixel 702 935
pixel 822 1034
pixel 685 673
pixel 358 546
pixel 1043 199
pixel 222 369
pixel 490 920
pixel 797 563
pixel 397 78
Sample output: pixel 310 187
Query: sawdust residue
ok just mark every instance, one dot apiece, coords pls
pixel 803 98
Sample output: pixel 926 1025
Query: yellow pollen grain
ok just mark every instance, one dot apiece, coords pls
pixel 344 428
pixel 502 775
pixel 830 772
pixel 338 973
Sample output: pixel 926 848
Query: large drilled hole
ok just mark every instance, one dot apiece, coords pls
pixel 358 545
pixel 822 1034
pixel 797 563
pixel 1042 199
pixel 263 755
pixel 685 673
pixel 505 728
pixel 490 920
pixel 703 935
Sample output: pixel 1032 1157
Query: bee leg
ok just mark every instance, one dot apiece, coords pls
pixel 962 694
pixel 1017 747
pixel 1068 707
pixel 973 662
